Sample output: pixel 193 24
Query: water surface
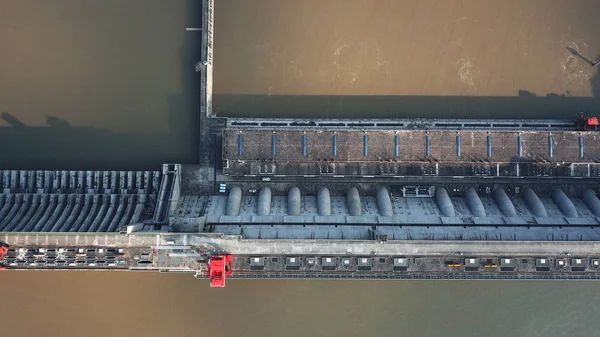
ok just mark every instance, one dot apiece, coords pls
pixel 110 84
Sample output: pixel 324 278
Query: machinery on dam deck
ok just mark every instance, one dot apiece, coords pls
pixel 327 201
pixel 204 256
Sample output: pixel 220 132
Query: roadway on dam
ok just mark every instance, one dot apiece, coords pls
pixel 217 244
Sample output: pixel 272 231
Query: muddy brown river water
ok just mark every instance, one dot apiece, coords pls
pixel 110 84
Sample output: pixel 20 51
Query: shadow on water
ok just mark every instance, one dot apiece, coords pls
pixel 62 146
pixel 525 105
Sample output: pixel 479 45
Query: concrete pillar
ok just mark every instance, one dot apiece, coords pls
pixel 14 179
pixel 132 200
pixel 81 182
pixel 61 223
pixel 155 181
pixel 114 182
pixel 139 180
pixel 97 181
pixel 15 216
pixel 564 203
pixel 31 208
pixel 56 180
pixel 147 181
pixel 74 213
pixel 8 205
pixel 591 201
pixel 105 181
pixel 504 202
pixel 474 202
pixel 122 180
pixel 94 210
pixel 72 180
pixel 130 180
pixel 104 206
pixel 113 226
pixel 294 201
pixel 323 201
pixel 44 198
pixel 89 180
pixel 22 180
pixel 384 202
pixel 64 180
pixel 109 214
pixel 31 182
pixel 444 202
pixel 39 180
pixel 353 199
pixel 53 198
pixel 47 181
pixel 6 179
pixel 10 211
pixel 263 206
pixel 139 208
pixel 234 201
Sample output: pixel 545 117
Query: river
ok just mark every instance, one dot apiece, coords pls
pixel 110 85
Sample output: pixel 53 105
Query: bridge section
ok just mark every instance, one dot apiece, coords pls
pixel 197 254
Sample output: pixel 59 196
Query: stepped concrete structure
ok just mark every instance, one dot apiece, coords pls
pixel 75 201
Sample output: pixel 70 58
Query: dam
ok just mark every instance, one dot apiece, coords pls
pixel 322 199
pixel 286 198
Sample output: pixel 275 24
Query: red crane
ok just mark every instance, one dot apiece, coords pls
pixel 587 123
pixel 219 268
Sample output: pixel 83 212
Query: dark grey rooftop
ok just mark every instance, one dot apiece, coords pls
pixel 257 146
pixel 282 152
